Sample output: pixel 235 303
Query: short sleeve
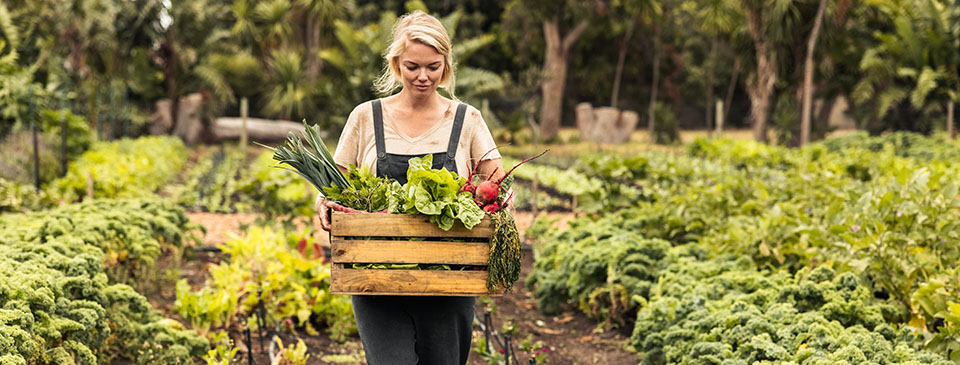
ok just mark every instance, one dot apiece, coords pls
pixel 348 147
pixel 481 140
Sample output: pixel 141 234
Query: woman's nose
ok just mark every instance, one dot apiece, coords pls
pixel 422 75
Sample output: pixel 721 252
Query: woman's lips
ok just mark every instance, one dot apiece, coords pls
pixel 422 87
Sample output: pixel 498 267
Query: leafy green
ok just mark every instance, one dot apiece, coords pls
pixel 61 274
pixel 436 194
pixel 366 191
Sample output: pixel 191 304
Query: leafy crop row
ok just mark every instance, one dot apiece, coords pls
pixel 886 217
pixel 128 168
pixel 59 305
pixel 130 233
pixel 214 183
pixel 725 311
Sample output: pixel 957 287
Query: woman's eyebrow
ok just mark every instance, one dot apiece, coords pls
pixel 434 63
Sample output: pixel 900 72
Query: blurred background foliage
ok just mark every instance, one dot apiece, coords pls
pixel 525 64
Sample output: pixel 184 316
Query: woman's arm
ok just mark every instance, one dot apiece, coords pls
pixel 491 167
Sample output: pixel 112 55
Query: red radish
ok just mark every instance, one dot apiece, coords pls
pixel 491 208
pixel 469 187
pixel 487 191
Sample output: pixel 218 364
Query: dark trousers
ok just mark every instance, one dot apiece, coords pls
pixel 414 330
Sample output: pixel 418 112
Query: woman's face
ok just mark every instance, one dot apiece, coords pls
pixel 421 68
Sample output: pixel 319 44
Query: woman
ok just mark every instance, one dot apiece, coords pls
pixel 382 135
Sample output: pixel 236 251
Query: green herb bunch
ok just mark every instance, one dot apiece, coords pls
pixel 365 192
pixel 505 254
pixel 316 164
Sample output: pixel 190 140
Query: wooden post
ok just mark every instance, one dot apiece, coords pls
pixel 63 137
pixel 951 130
pixel 533 189
pixel 243 130
pixel 90 184
pixel 36 141
pixel 719 118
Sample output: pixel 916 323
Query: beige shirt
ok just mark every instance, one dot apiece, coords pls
pixel 358 145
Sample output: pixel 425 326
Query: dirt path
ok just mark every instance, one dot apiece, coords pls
pixel 570 337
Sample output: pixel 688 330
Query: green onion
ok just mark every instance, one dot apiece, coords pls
pixel 316 164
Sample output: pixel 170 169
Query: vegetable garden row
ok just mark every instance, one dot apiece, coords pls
pixel 738 252
pixel 728 252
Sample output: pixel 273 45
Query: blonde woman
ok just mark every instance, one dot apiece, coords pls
pixel 382 135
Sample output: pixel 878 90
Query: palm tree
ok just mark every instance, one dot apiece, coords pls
pixel 287 94
pixel 318 15
pixel 913 63
pixel 717 19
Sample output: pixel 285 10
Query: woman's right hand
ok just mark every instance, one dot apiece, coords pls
pixel 323 208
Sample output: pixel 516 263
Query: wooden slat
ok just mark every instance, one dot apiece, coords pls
pixel 401 225
pixel 408 282
pixel 409 252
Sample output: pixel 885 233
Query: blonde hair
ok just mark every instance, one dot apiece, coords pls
pixel 424 28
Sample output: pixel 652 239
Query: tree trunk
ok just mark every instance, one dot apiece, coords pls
pixel 950 128
pixel 820 126
pixel 620 59
pixel 728 100
pixel 312 44
pixel 555 74
pixel 760 87
pixel 654 87
pixel 808 77
pixel 708 111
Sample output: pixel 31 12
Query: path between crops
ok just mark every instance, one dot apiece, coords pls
pixel 571 337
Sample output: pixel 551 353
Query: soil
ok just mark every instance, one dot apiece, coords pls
pixel 569 337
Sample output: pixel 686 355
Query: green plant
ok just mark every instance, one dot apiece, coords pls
pixel 285 272
pixel 62 300
pixel 214 184
pixel 275 193
pixel 223 352
pixel 292 355
pixel 125 168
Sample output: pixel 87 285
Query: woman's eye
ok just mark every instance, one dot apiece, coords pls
pixel 434 68
pixel 412 68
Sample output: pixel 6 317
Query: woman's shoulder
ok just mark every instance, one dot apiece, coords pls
pixel 471 114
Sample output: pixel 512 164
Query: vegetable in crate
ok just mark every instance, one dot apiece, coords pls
pixel 505 255
pixel 436 194
pixel 316 164
pixel 366 192
pixel 492 195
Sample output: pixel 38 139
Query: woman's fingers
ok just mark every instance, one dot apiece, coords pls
pixel 322 206
pixel 324 211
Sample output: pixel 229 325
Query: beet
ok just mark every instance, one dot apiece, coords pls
pixel 491 208
pixel 487 191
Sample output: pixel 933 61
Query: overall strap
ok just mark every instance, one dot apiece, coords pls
pixel 378 132
pixel 450 163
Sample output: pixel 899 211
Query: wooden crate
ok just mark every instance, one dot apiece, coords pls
pixel 366 238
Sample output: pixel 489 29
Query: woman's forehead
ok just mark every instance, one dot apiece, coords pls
pixel 420 53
